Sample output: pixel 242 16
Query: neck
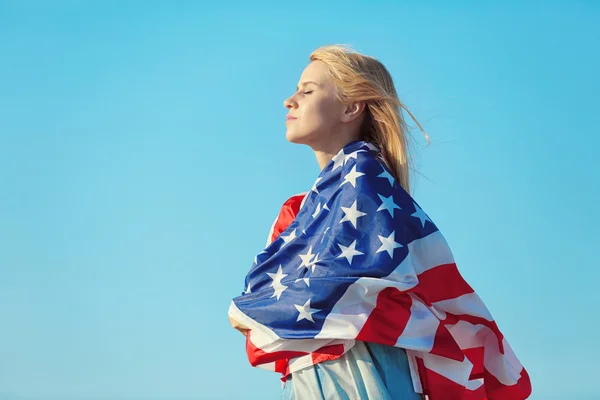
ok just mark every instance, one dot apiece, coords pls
pixel 324 153
pixel 323 157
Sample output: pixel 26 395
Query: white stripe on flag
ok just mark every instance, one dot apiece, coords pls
pixel 429 252
pixel 456 371
pixel 269 342
pixel 470 302
pixel 419 332
pixel 268 366
pixel 474 384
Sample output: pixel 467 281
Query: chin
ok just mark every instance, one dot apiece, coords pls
pixel 300 137
pixel 294 137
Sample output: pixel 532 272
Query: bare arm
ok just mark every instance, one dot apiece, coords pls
pixel 242 328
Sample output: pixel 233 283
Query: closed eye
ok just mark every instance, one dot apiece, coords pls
pixel 308 92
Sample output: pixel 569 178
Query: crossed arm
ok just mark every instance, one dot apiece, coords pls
pixel 240 327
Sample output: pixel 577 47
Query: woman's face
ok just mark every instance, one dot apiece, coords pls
pixel 314 112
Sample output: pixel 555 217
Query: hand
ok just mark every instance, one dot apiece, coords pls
pixel 242 328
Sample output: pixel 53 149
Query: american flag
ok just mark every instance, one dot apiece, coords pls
pixel 356 258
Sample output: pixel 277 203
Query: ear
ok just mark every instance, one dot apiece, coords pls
pixel 352 111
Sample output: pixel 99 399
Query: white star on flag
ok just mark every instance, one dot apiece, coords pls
pixel 256 256
pixel 317 211
pixel 256 259
pixel 387 176
pixel 388 204
pixel 352 155
pixel 305 311
pixel 338 161
pixel 306 280
pixel 419 213
pixel 248 291
pixel 313 263
pixel 388 244
pixel 352 176
pixel 276 284
pixel 314 188
pixel 349 252
pixel 372 147
pixel 306 258
pixel 352 214
pixel 323 238
pixel 326 207
pixel 289 237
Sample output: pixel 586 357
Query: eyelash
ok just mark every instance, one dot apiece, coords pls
pixel 309 92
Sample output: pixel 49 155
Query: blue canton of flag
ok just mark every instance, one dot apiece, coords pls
pixel 356 222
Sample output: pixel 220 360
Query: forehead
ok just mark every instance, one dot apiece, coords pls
pixel 316 71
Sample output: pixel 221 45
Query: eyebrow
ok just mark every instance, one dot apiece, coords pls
pixel 306 83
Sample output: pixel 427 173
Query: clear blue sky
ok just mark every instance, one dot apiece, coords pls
pixel 143 159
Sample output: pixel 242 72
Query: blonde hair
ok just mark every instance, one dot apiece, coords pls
pixel 359 77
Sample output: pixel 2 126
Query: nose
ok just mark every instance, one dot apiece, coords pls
pixel 290 103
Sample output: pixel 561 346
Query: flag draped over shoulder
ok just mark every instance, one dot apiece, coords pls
pixel 358 259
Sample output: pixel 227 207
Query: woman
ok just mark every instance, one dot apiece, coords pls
pixel 356 295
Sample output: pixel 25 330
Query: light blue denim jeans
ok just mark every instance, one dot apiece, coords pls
pixel 367 371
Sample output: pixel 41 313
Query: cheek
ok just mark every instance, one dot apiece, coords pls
pixel 320 114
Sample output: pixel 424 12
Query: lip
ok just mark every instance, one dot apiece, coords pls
pixel 290 118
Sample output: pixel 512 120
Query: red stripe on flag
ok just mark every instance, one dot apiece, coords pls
pixel 498 391
pixel 281 365
pixel 441 283
pixel 445 345
pixel 257 356
pixel 388 319
pixel 475 355
pixel 326 353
